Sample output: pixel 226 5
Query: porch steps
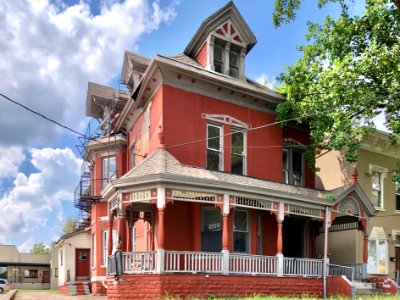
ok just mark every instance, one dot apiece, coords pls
pixel 366 289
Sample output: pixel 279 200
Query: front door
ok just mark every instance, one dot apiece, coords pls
pixel 397 257
pixel 82 264
pixel 46 277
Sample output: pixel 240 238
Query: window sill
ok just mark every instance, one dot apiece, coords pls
pixel 397 212
pixel 380 209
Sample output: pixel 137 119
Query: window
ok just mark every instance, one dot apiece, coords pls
pixel 293 167
pixel 259 233
pixel 240 231
pixel 109 169
pixel 134 238
pixel 211 231
pixel 61 257
pixel 218 59
pixel 104 256
pixel 376 193
pixel 238 152
pixel 55 272
pixel 378 257
pixel 31 273
pixel 397 186
pixel 214 147
pixel 233 64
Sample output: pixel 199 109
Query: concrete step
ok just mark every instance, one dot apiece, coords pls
pixel 366 289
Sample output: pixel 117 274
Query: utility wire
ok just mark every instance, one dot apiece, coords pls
pixel 41 115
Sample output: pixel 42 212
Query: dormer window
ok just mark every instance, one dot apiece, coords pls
pixel 218 60
pixel 233 64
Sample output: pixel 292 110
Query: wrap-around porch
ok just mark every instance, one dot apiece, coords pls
pixel 198 232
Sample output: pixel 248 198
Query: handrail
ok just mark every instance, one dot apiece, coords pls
pixel 342 270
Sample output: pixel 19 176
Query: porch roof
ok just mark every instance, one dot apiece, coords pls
pixel 161 162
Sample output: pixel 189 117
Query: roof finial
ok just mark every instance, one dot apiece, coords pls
pixel 354 176
pixel 161 137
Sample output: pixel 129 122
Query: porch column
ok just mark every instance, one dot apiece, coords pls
pixel 128 236
pixel 279 240
pixel 325 265
pixel 110 237
pixel 160 232
pixel 365 256
pixel 225 236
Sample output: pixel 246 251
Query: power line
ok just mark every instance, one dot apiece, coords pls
pixel 43 116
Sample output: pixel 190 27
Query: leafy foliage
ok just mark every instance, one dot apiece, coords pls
pixel 70 225
pixel 349 73
pixel 39 248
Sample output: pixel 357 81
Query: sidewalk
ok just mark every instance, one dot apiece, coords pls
pixel 43 295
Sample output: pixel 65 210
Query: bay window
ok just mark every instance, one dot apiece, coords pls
pixel 214 147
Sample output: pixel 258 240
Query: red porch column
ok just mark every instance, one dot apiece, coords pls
pixel 110 239
pixel 161 228
pixel 279 240
pixel 120 230
pixel 225 237
pixel 128 236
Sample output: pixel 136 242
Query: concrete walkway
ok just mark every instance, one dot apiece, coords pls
pixel 43 295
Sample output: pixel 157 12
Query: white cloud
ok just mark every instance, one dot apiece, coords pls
pixel 10 159
pixel 49 51
pixel 26 246
pixel 264 79
pixel 26 206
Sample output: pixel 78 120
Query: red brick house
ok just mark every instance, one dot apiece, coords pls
pixel 192 189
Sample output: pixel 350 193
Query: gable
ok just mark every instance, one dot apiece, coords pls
pixel 226 23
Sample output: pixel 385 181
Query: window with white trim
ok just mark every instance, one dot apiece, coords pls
pixel 214 147
pixel 226 58
pixel 238 152
pixel 376 189
pixel 397 187
pixel 104 241
pixel 233 64
pixel 293 166
pixel 218 59
pixel 241 231
pixel 378 257
pixel 109 169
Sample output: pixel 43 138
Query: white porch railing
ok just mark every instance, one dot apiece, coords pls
pixel 192 262
pixel 166 261
pixel 252 264
pixel 305 267
pixel 139 262
pixel 342 270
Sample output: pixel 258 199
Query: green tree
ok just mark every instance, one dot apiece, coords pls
pixel 39 248
pixel 349 73
pixel 70 225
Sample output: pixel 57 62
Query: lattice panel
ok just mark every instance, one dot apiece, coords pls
pixel 305 211
pixel 194 196
pixel 349 206
pixel 253 203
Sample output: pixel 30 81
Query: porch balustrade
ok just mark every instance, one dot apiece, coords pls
pixel 205 262
pixel 302 267
pixel 358 271
pixel 252 264
pixel 139 262
pixel 189 262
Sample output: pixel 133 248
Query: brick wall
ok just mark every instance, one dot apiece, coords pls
pixel 182 285
pixel 338 286
pixel 98 288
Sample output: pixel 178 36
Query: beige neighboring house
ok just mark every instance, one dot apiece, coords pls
pixel 24 270
pixel 53 266
pixel 377 159
pixel 73 259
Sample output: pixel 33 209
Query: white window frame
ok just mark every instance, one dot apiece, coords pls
pixel 104 176
pixel 383 174
pixel 104 248
pixel 289 172
pixel 221 143
pixel 222 58
pixel 248 246
pixel 230 66
pixel 244 153
pixel 385 260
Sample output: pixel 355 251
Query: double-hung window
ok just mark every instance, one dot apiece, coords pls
pixel 105 239
pixel 376 189
pixel 218 59
pixel 240 231
pixel 109 169
pixel 238 155
pixel 214 147
pixel 233 64
pixel 293 166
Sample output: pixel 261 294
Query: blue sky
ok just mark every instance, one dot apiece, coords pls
pixel 53 48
